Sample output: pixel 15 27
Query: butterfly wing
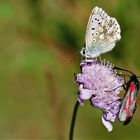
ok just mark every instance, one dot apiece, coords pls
pixel 129 104
pixel 101 34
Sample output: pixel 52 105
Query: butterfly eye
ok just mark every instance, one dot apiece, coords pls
pixel 83 51
pixel 84 44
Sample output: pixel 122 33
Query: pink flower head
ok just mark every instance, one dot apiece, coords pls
pixel 101 85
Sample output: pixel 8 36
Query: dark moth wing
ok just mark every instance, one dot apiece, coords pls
pixel 128 106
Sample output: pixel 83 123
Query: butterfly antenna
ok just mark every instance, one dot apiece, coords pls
pixel 138 77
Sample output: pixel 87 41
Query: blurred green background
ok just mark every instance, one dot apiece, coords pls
pixel 39 43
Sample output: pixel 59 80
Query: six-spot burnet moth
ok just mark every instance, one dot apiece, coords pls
pixel 128 106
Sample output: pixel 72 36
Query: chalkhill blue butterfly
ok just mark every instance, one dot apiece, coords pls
pixel 102 33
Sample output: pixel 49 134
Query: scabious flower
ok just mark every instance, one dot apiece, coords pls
pixel 100 84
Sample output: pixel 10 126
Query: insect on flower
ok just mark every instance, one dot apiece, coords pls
pixel 96 81
pixel 128 106
pixel 102 33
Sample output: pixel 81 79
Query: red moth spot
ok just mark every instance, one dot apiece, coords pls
pixel 125 108
pixel 132 87
pixel 128 113
pixel 129 101
pixel 127 98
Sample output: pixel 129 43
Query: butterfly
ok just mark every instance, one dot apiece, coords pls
pixel 102 33
pixel 128 106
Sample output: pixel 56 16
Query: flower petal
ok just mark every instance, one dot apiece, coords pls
pixel 107 124
pixel 81 102
pixel 85 94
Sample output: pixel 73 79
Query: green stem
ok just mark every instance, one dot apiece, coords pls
pixel 73 120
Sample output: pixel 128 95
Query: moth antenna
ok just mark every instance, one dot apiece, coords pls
pixel 124 70
pixel 138 77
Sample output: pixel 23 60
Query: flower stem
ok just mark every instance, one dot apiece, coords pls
pixel 73 120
